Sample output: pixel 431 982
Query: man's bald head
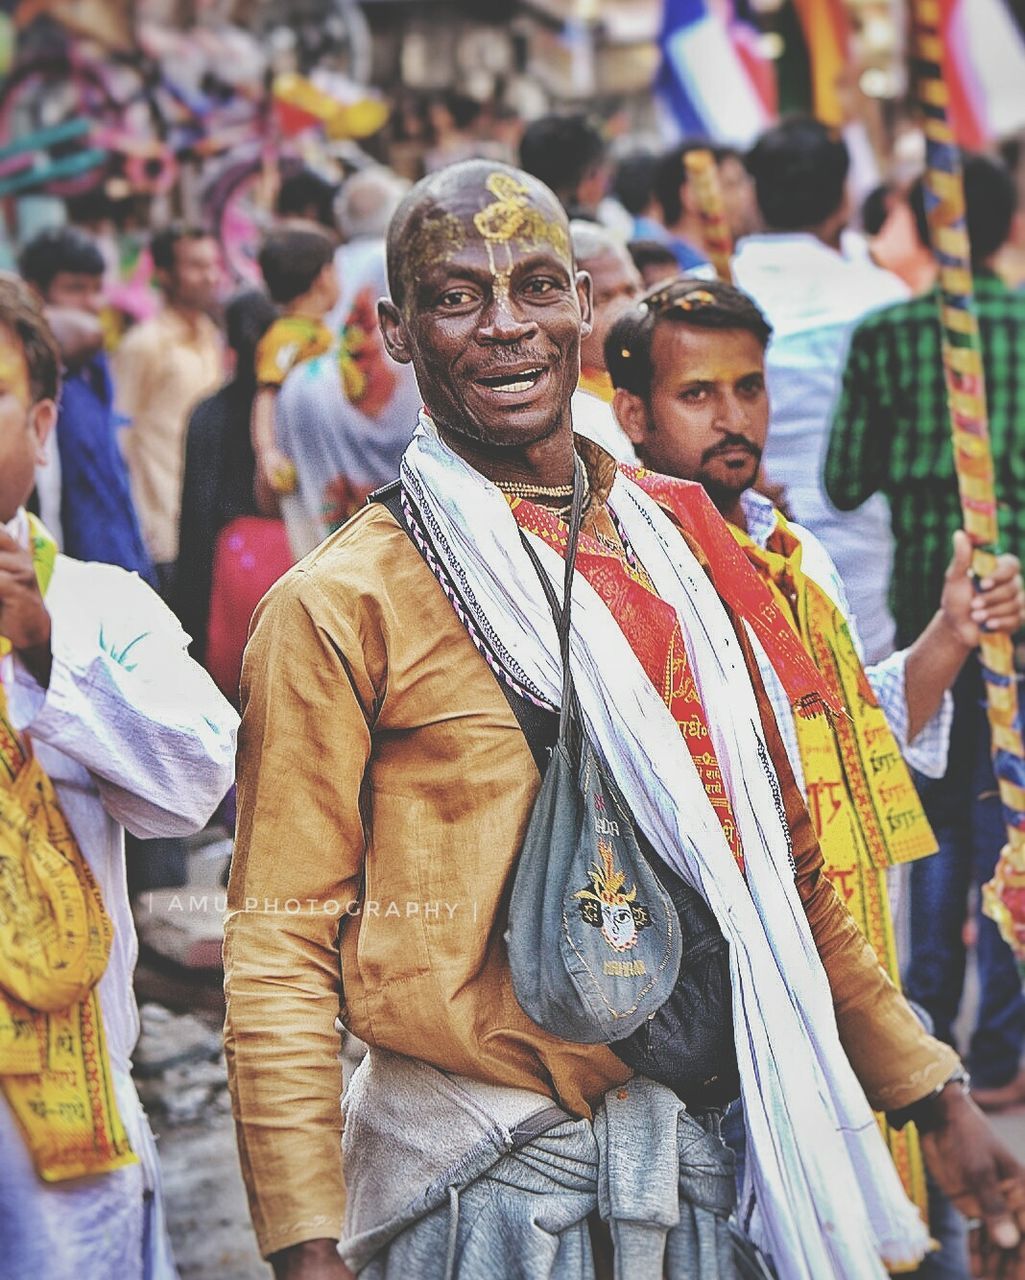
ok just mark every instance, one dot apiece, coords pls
pixel 616 283
pixel 591 240
pixel 496 202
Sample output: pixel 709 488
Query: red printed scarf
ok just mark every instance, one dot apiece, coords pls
pixel 653 632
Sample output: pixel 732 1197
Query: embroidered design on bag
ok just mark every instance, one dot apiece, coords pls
pixel 606 907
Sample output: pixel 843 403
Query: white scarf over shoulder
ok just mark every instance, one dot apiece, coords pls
pixel 827 1199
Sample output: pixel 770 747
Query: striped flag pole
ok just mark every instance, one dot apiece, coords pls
pixel 1004 896
pixel 703 173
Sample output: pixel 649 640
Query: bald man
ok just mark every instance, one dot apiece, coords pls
pixel 615 284
pixel 398 693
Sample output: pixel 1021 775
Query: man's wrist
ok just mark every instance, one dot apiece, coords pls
pixel 951 630
pixel 297 1257
pixel 932 1111
pixel 37 657
pixel 38 662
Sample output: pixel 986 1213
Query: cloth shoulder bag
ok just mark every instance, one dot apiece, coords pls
pixel 686 1042
pixel 594 940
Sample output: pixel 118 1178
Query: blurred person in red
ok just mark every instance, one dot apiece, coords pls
pixel 229 554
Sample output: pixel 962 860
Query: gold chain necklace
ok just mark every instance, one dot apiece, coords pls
pixel 520 489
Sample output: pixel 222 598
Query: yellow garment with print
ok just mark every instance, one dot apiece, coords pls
pixel 55 939
pixel 289 341
pixel 862 802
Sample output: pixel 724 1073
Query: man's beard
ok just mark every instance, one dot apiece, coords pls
pixel 724 490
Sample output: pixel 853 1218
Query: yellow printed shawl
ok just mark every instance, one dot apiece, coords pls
pixel 55 939
pixel 862 801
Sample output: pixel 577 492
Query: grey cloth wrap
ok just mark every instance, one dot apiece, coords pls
pixel 451 1179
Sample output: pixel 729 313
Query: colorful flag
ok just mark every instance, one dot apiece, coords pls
pixel 984 68
pixel 705 81
pixel 826 27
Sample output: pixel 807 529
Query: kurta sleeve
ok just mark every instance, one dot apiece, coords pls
pixel 304 747
pixel 127 702
pixel 927 752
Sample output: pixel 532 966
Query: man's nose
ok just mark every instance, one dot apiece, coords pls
pixel 732 418
pixel 502 324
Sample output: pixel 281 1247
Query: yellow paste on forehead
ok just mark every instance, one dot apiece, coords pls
pixel 14 371
pixel 438 238
pixel 512 217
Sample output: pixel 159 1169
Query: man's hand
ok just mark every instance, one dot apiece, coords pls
pixel 997 604
pixel 983 1181
pixel 24 620
pixel 311 1260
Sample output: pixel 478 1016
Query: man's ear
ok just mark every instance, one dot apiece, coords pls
pixel 632 415
pixel 44 419
pixel 585 294
pixel 393 331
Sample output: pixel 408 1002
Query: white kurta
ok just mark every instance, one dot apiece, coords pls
pixel 813 298
pixel 134 735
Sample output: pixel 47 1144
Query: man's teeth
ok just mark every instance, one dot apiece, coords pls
pixel 516 383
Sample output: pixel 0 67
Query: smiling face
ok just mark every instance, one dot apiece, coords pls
pixel 490 308
pixel 708 414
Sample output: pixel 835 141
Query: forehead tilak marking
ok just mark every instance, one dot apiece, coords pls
pixel 509 217
pixel 14 370
pixel 513 216
pixel 438 238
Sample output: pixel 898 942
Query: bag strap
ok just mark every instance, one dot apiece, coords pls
pixel 538 725
pixel 568 710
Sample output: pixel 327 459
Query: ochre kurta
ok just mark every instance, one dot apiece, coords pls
pixel 383 774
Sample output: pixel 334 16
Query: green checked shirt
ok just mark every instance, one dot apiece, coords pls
pixel 891 432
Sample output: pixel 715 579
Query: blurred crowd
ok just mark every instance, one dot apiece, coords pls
pixel 210 446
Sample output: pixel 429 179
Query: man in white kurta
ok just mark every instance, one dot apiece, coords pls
pixel 133 735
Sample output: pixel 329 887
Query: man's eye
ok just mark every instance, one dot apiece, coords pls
pixel 455 297
pixel 693 395
pixel 752 386
pixel 539 286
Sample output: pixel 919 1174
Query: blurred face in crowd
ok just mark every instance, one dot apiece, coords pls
pixel 24 427
pixel 76 290
pixel 615 284
pixel 490 310
pixel 738 196
pixel 194 282
pixel 708 414
pixel 594 186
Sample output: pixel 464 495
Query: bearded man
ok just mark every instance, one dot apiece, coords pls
pixel 688 363
pixel 385 783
